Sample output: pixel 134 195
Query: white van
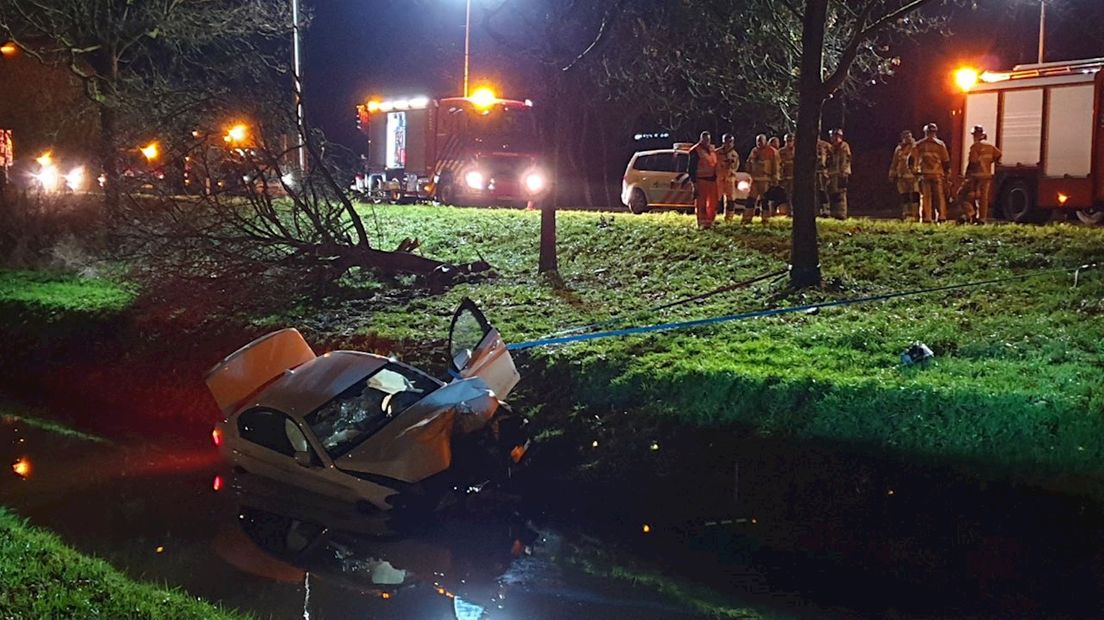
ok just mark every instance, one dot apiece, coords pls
pixel 658 179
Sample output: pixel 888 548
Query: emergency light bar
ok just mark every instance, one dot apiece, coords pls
pixel 414 103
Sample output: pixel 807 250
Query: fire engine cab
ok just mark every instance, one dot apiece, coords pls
pixel 477 150
pixel 1048 121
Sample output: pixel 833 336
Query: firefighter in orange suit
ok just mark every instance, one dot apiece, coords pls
pixel 902 172
pixel 728 164
pixel 786 166
pixel 934 162
pixel 704 163
pixel 979 176
pixel 839 171
pixel 762 164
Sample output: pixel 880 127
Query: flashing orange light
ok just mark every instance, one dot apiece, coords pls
pixel 22 468
pixel 8 49
pixel 151 151
pixel 1062 198
pixel 483 98
pixel 237 134
pixel 45 159
pixel 385 595
pixel 216 436
pixel 373 106
pixel 966 78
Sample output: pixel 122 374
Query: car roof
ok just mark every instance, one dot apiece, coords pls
pixel 659 152
pixel 305 388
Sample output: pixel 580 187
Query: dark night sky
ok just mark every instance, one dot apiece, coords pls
pixel 357 48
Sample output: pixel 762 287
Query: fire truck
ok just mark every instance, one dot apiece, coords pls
pixel 1048 121
pixel 477 150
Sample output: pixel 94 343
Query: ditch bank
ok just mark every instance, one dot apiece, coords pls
pixel 846 523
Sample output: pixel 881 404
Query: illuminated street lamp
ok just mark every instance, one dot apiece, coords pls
pixel 965 78
pixel 237 134
pixel 297 75
pixel 8 49
pixel 467 47
pixel 151 151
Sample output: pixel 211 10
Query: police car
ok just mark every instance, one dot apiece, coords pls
pixel 659 179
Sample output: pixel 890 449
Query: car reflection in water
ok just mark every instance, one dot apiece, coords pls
pixel 454 561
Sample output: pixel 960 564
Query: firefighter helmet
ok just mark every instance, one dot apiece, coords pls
pixel 978 129
pixel 836 132
pixel 931 128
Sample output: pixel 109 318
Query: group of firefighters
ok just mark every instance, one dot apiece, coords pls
pixel 919 170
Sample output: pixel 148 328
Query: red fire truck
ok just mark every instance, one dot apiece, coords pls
pixel 1048 121
pixel 477 150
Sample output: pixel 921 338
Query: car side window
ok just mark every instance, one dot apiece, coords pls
pixel 682 162
pixel 273 430
pixel 644 162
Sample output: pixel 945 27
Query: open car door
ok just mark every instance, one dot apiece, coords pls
pixel 477 350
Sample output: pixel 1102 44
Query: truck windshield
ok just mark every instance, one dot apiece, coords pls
pixel 355 414
pixel 508 129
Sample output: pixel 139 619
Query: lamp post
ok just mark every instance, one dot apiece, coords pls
pixel 467 47
pixel 1042 29
pixel 297 73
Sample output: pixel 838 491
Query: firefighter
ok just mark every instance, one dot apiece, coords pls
pixel 934 162
pixel 7 157
pixel 786 165
pixel 703 173
pixel 762 163
pixel 839 171
pixel 978 185
pixel 902 172
pixel 728 162
pixel 823 149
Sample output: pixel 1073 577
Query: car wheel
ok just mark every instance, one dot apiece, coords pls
pixel 638 202
pixel 1093 216
pixel 1019 205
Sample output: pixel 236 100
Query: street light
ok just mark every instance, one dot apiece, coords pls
pixel 151 151
pixel 8 49
pixel 297 74
pixel 1042 29
pixel 467 48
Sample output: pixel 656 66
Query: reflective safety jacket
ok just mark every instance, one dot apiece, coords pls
pixel 703 162
pixel 728 161
pixel 982 157
pixel 932 157
pixel 904 164
pixel 839 160
pixel 786 158
pixel 763 164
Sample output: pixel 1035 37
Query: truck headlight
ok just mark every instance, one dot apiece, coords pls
pixel 474 179
pixel 535 182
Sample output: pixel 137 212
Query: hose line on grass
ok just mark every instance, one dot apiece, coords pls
pixel 555 340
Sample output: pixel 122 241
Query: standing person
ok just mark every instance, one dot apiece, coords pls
pixel 728 164
pixel 934 162
pixel 703 173
pixel 902 172
pixel 786 165
pixel 763 165
pixel 980 172
pixel 839 171
pixel 823 150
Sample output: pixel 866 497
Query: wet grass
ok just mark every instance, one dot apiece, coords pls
pixel 44 578
pixel 57 294
pixel 1016 383
pixel 50 426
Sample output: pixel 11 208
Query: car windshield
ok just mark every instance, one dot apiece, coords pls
pixel 508 129
pixel 358 412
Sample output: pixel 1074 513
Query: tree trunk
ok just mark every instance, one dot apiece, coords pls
pixel 804 255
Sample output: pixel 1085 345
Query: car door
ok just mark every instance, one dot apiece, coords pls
pixel 270 442
pixel 682 189
pixel 477 350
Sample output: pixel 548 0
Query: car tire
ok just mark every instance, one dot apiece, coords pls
pixel 446 193
pixel 638 202
pixel 1093 216
pixel 1018 203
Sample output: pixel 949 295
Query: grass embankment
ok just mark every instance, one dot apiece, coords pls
pixel 44 578
pixel 1016 383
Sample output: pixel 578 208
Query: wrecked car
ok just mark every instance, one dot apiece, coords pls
pixel 366 428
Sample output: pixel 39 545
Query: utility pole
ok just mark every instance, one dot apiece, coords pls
pixel 1042 29
pixel 297 73
pixel 467 49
